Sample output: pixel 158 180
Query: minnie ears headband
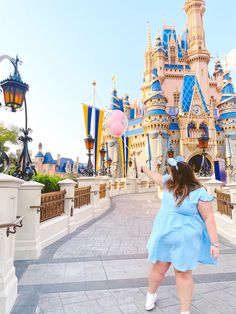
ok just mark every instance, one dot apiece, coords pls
pixel 174 161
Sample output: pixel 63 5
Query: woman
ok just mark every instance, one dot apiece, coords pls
pixel 184 232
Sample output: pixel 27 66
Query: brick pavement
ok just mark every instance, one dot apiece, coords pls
pixel 102 268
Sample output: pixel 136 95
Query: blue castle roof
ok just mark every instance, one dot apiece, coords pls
pixel 126 101
pixel 39 154
pixel 184 40
pixel 48 159
pixel 155 87
pixel 227 115
pixel 166 39
pixel 63 163
pixel 158 44
pixel 218 68
pixel 156 112
pixel 228 93
pixel 218 128
pixel 174 126
pixel 177 66
pixel 116 103
pixel 189 83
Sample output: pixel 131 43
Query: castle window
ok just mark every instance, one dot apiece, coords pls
pixel 172 54
pixel 176 98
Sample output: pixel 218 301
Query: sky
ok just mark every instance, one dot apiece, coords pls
pixel 66 44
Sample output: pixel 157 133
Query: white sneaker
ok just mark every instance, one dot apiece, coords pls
pixel 150 301
pixel 185 312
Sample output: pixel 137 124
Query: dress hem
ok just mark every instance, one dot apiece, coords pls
pixel 177 268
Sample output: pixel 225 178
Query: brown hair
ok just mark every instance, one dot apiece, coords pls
pixel 183 181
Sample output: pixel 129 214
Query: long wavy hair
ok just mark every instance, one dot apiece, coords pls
pixel 182 181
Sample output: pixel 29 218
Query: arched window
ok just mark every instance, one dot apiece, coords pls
pixel 203 129
pixel 192 130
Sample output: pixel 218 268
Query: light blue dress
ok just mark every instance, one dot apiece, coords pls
pixel 179 234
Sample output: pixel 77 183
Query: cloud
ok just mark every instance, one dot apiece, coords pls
pixel 231 59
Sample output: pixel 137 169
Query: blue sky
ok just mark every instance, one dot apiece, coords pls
pixel 66 44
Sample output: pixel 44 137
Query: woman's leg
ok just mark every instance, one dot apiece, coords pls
pixel 156 275
pixel 184 284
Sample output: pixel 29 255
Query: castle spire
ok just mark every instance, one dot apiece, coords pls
pixel 149 37
pixel 198 56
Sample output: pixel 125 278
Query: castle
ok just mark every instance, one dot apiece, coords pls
pixel 180 101
pixel 45 164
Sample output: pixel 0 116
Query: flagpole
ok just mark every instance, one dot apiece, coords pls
pixel 94 125
pixel 94 83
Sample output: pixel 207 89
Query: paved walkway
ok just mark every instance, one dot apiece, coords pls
pixel 102 268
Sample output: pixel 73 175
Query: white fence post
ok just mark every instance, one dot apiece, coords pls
pixel 69 186
pixel 28 238
pixel 8 210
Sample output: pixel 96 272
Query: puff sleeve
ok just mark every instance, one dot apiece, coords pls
pixel 200 195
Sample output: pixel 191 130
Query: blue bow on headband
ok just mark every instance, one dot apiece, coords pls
pixel 173 161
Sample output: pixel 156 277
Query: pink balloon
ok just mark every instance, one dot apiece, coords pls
pixel 117 129
pixel 109 122
pixel 117 115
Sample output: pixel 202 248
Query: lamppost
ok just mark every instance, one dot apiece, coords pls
pixel 135 163
pixel 109 162
pixel 14 91
pixel 205 170
pixel 102 158
pixel 89 143
pixel 171 152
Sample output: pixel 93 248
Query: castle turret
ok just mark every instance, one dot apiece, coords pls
pixel 126 105
pixel 198 55
pixel 39 159
pixel 155 122
pixel 219 74
pixel 227 111
pixel 159 56
pixel 148 65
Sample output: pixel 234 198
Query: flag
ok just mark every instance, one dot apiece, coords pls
pixel 122 154
pixel 99 116
pixel 87 118
pixel 127 153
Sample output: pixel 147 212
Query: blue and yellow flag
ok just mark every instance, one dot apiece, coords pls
pixel 99 116
pixel 122 154
pixel 87 118
pixel 127 142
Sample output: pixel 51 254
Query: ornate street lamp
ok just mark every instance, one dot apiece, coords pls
pixel 205 170
pixel 108 163
pixel 89 143
pixel 171 152
pixel 14 91
pixel 102 157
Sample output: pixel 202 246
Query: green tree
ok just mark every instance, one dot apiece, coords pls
pixel 50 182
pixel 8 135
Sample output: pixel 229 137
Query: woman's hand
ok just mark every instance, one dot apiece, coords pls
pixel 214 252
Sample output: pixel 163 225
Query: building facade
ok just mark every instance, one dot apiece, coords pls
pixel 180 101
pixel 45 164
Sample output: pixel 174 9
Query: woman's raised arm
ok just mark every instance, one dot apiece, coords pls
pixel 153 175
